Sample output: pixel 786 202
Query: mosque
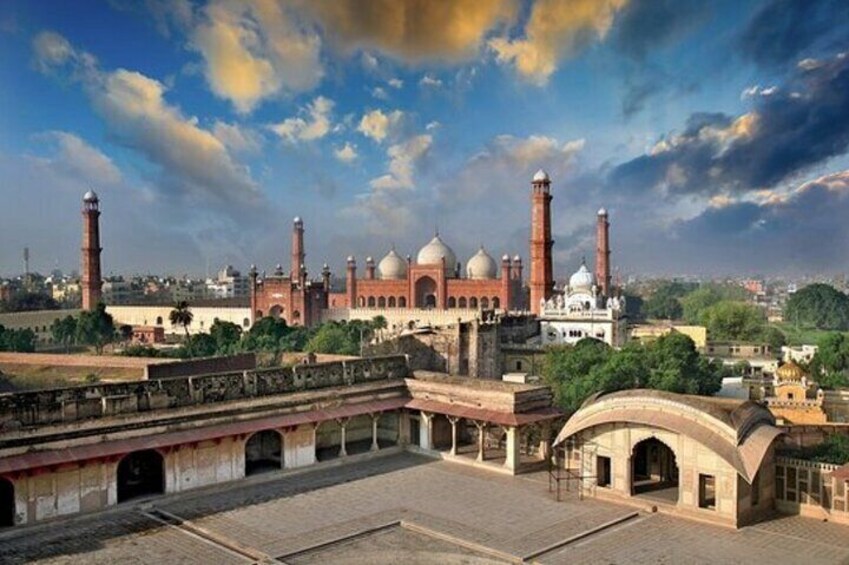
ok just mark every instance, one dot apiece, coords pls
pixel 436 282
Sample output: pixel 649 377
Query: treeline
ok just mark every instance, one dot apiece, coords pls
pixel 818 306
pixel 21 341
pixel 272 336
pixel 670 363
pixel 27 302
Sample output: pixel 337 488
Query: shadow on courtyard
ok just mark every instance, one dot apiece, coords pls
pixel 84 534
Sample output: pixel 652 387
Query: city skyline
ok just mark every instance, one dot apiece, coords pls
pixel 716 136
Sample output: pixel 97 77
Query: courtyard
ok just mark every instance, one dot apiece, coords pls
pixel 402 507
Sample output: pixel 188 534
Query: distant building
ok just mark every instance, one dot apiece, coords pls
pixel 650 332
pixel 798 353
pixel 794 398
pixel 228 284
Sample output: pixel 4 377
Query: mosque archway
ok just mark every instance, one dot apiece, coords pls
pixel 141 473
pixel 461 303
pixel 402 302
pixel 7 503
pixel 654 469
pixel 276 311
pixel 263 452
pixel 452 302
pixel 391 302
pixel 485 303
pixel 425 293
pixel 473 302
pixel 496 304
pixel 371 301
pixel 381 302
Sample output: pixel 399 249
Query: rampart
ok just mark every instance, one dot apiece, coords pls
pixel 204 366
pixel 71 404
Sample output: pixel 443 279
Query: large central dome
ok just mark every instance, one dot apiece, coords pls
pixel 481 266
pixel 433 252
pixel 583 279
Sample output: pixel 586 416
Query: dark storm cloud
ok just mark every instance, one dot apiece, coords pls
pixel 646 24
pixel 783 31
pixel 791 127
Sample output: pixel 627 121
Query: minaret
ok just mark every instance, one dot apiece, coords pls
pixel 351 282
pixel 542 275
pixel 602 253
pixel 297 249
pixel 91 279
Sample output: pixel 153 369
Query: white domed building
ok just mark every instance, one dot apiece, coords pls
pixel 580 310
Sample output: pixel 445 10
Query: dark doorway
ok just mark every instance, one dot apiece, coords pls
pixel 141 473
pixel 263 452
pixel 415 431
pixel 7 503
pixel 603 471
pixel 654 470
pixel 425 293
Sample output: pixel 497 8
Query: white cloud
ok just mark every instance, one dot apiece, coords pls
pixel 378 126
pixel 316 126
pixel 379 93
pixel 347 153
pixel 395 83
pixel 430 81
pixel 403 159
pixel 255 50
pixel 85 162
pixel 432 125
pixel 237 138
pixel 757 90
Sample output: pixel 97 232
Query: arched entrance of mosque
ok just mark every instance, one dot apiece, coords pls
pixel 7 503
pixel 425 293
pixel 276 311
pixel 654 470
pixel 263 452
pixel 141 473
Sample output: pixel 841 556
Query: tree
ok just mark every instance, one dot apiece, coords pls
pixel 181 315
pixel 734 321
pixel 126 332
pixel 333 338
pixel 225 335
pixel 18 340
pixel 200 345
pixel 28 301
pixel 664 303
pixel 64 331
pixel 834 450
pixel 830 365
pixel 818 306
pixel 96 328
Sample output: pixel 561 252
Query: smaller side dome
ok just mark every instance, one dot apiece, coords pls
pixel 392 267
pixel 541 176
pixel 90 196
pixel 602 211
pixel 481 266
pixel 790 371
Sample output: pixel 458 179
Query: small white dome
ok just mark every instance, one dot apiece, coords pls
pixel 541 176
pixel 297 219
pixel 392 267
pixel 350 258
pixel 90 196
pixel 583 279
pixel 481 266
pixel 369 259
pixel 517 258
pixel 434 251
pixel 505 257
pixel 602 212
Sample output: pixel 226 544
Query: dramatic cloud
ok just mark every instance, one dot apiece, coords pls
pixel 797 125
pixel 403 157
pixel 412 30
pixel 255 50
pixel 237 138
pixel 76 157
pixel 193 164
pixel 555 30
pixel 347 153
pixel 316 126
pixel 377 125
pixel 643 25
pixel 783 31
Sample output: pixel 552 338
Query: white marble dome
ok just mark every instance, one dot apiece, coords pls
pixel 481 266
pixel 433 252
pixel 583 279
pixel 392 267
pixel 541 176
pixel 90 196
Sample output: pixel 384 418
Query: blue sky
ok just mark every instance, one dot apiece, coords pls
pixel 715 133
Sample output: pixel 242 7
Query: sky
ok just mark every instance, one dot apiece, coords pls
pixel 716 134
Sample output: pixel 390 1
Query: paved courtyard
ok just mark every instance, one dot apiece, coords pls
pixel 411 509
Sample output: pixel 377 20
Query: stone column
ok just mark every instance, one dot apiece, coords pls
pixel 545 441
pixel 343 425
pixel 513 459
pixel 453 420
pixel 374 419
pixel 481 438
pixel 403 428
pixel 426 431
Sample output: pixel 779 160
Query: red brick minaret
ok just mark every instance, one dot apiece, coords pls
pixel 542 275
pixel 91 278
pixel 602 253
pixel 297 250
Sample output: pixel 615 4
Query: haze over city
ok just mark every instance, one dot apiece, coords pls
pixel 715 133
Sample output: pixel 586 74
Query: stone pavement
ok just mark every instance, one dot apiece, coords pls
pixel 468 514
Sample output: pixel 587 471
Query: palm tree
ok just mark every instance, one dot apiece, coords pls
pixel 181 315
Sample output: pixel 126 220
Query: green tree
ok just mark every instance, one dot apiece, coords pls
pixel 830 365
pixel 201 345
pixel 818 306
pixel 665 301
pixel 64 331
pixel 17 340
pixel 96 328
pixel 28 301
pixel 181 315
pixel 734 321
pixel 834 450
pixel 226 336
pixel 566 370
pixel 333 338
pixel 126 332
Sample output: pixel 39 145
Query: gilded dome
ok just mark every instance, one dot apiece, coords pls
pixel 90 196
pixel 392 266
pixel 481 266
pixel 583 279
pixel 790 371
pixel 433 252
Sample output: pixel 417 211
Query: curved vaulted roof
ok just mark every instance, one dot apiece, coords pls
pixel 739 431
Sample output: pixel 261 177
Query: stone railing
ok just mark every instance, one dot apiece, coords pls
pixel 63 405
pixel 808 488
